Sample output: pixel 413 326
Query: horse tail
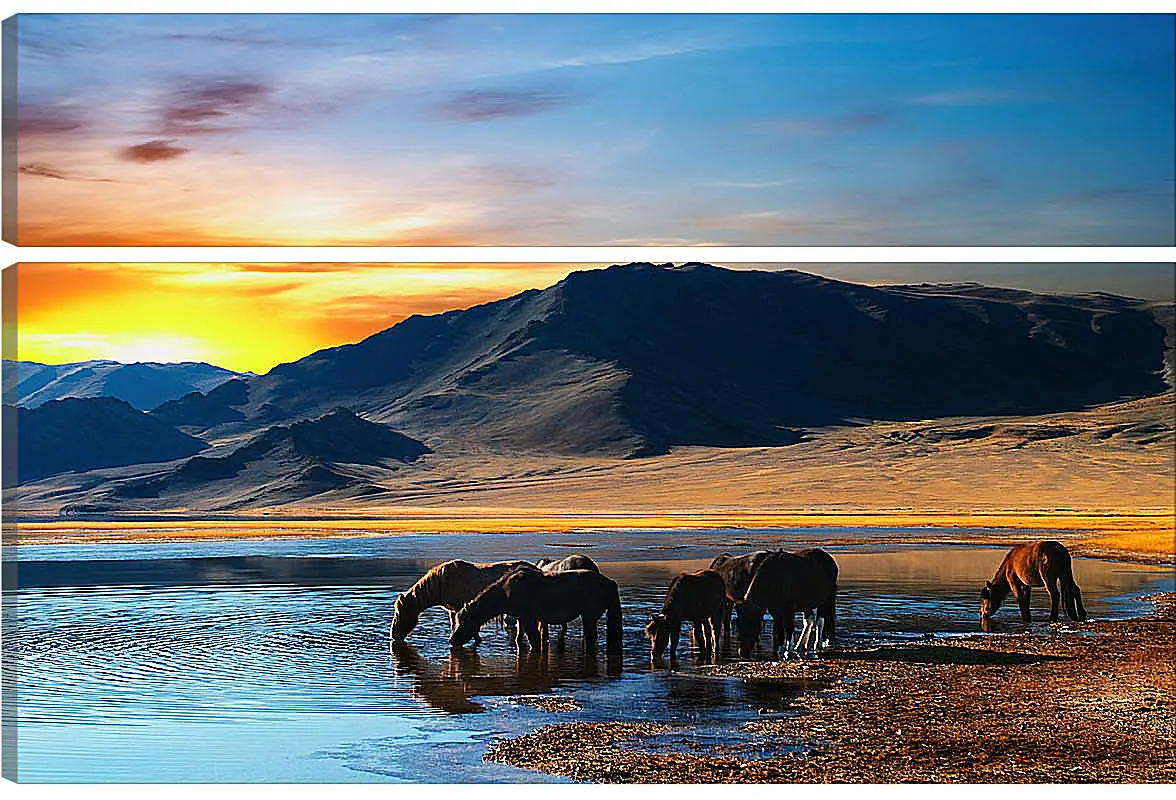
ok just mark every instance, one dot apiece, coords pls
pixel 1072 596
pixel 829 612
pixel 615 641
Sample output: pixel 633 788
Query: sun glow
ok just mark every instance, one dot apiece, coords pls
pixel 246 317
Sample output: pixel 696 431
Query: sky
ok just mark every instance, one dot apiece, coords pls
pixel 553 129
pixel 250 317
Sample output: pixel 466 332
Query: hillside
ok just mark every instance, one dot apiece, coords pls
pixel 79 434
pixel 282 464
pixel 634 360
pixel 143 385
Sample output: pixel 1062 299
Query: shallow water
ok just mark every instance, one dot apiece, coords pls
pixel 269 661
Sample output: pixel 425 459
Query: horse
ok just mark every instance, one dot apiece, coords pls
pixel 1038 564
pixel 533 597
pixel 785 583
pixel 700 597
pixel 574 561
pixel 452 584
pixel 736 572
pixel 550 566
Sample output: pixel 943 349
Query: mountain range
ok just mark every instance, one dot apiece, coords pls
pixel 144 385
pixel 635 360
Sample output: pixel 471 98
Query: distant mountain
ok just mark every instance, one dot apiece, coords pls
pixel 284 463
pixel 203 410
pixel 144 385
pixel 78 434
pixel 632 360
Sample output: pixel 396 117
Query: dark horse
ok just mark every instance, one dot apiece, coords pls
pixel 452 584
pixel 531 597
pixel 785 583
pixel 736 572
pixel 700 597
pixel 550 566
pixel 1038 564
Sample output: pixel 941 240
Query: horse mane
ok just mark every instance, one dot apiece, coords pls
pixel 424 592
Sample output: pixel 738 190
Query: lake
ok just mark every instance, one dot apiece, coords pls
pixel 268 660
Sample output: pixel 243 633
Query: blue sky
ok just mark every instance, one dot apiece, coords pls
pixel 585 130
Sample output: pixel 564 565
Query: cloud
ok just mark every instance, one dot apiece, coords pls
pixel 970 97
pixel 41 171
pixel 207 108
pixel 825 126
pixel 480 105
pixel 34 120
pixel 152 151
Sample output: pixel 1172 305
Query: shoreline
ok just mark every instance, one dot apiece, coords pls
pixel 1012 708
pixel 1146 537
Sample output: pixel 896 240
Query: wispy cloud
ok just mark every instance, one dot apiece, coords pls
pixel 152 151
pixel 482 105
pixel 971 97
pixel 825 126
pixel 41 170
pixel 209 107
pixel 41 120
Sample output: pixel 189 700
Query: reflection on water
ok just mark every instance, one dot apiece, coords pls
pixel 270 662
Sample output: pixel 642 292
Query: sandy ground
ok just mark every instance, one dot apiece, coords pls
pixel 1105 478
pixel 1094 702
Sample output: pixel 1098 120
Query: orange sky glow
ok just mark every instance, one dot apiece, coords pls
pixel 246 317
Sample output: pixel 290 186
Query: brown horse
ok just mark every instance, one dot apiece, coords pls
pixel 452 584
pixel 1038 564
pixel 785 583
pixel 532 597
pixel 700 597
pixel 736 572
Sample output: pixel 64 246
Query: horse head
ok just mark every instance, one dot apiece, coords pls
pixel 658 633
pixel 404 618
pixel 990 600
pixel 749 622
pixel 463 630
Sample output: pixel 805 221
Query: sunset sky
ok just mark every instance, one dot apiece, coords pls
pixel 586 130
pixel 249 317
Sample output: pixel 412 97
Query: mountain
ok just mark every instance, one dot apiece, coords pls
pixel 633 360
pixel 203 410
pixel 283 463
pixel 144 385
pixel 78 434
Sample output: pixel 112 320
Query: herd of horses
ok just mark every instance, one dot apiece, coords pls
pixel 530 597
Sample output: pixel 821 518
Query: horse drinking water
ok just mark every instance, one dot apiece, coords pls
pixel 452 584
pixel 1038 564
pixel 700 597
pixel 785 583
pixel 736 572
pixel 531 597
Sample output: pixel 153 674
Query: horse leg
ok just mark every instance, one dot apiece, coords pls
pixel 1023 599
pixel 1051 588
pixel 788 616
pixel 716 625
pixel 698 630
pixel 806 631
pixel 543 635
pixel 589 633
pixel 675 632
pixel 531 626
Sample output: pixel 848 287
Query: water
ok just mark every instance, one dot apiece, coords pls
pixel 269 660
